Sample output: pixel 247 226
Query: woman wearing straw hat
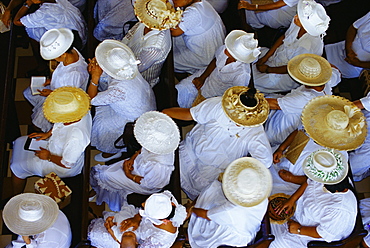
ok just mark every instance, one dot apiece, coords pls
pixel 147 171
pixel 128 96
pixel 71 71
pixel 68 108
pixel 38 221
pixel 230 67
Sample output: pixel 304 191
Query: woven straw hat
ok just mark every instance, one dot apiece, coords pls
pixel 66 104
pixel 246 182
pixel 157 14
pixel 334 122
pixel 313 17
pixel 326 166
pixel 157 132
pixel 241 114
pixel 116 59
pixel 29 214
pixel 283 217
pixel 55 42
pixel 242 46
pixel 309 69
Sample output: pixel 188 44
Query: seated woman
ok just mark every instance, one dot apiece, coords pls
pixel 71 71
pixel 365 214
pixel 156 225
pixel 303 36
pixel 68 108
pixel 147 171
pixel 231 67
pixel 197 36
pixel 128 96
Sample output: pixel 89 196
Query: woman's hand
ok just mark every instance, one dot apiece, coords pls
pixel 133 222
pixel 128 166
pixel 43 154
pixel 278 154
pixel 40 136
pixel 293 226
pixel 94 70
pixel 246 5
pixel 109 222
pixel 198 82
pixel 45 92
pixel 6 18
pixel 286 206
pixel 47 82
pixel 26 239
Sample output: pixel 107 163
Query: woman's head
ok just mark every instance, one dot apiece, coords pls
pixel 55 42
pixel 339 187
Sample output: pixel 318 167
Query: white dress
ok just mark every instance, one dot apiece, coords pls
pixel 230 224
pixel 333 214
pixel 276 18
pixel 61 14
pixel 112 186
pixel 151 49
pixel 336 53
pixel 204 32
pixel 74 74
pixel 213 143
pixel 365 214
pixel 222 77
pixel 124 101
pixel 67 141
pixel 271 82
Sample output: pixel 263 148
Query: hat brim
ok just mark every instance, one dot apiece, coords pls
pixel 288 216
pixel 229 43
pixel 307 25
pixel 67 33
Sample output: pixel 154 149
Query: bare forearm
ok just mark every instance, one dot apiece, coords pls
pixel 209 69
pixel 288 141
pixel 278 70
pixel 201 213
pixel 13 4
pixel 271 6
pixel 22 12
pixel 350 37
pixel 299 192
pixel 310 231
pixel 179 113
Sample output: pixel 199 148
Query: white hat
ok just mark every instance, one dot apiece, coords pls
pixel 117 59
pixel 310 69
pixel 326 166
pixel 242 46
pixel 55 42
pixel 157 132
pixel 157 207
pixel 313 17
pixel 29 214
pixel 246 182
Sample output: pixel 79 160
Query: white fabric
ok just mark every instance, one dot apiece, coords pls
pixel 74 74
pixel 333 214
pixel 112 186
pixel 222 77
pixel 271 82
pixel 151 49
pixel 124 101
pixel 230 224
pixel 61 14
pixel 204 32
pixel 365 214
pixel 67 141
pixel 214 143
pixel 59 235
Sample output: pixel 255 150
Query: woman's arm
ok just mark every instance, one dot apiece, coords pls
pixel 278 154
pixel 22 12
pixel 287 206
pixel 350 37
pixel 261 7
pixel 8 11
pixel 45 154
pixel 199 81
pixel 95 72
pixel 296 228
pixel 178 113
pixel 273 103
pixel 272 50
pixel 200 212
pixel 176 31
pixel 128 168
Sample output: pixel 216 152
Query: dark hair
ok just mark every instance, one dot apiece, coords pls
pixel 172 213
pixel 340 187
pixel 70 49
pixel 247 98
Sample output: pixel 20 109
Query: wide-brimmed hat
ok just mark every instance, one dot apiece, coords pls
pixel 246 182
pixel 310 69
pixel 242 46
pixel 157 132
pixel 55 42
pixel 313 17
pixel 274 201
pixel 66 104
pixel 241 114
pixel 326 166
pixel 157 14
pixel 334 122
pixel 29 214
pixel 117 59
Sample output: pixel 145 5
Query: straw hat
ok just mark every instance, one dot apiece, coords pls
pixel 157 14
pixel 246 182
pixel 313 17
pixel 66 104
pixel 274 200
pixel 310 69
pixel 117 59
pixel 326 166
pixel 242 46
pixel 29 214
pixel 334 122
pixel 241 114
pixel 55 42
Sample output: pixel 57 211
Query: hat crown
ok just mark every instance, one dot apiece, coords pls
pixel 337 119
pixel 310 68
pixel 155 8
pixel 65 102
pixel 158 206
pixel 30 210
pixel 324 160
pixel 52 40
pixel 118 57
pixel 247 181
pixel 55 42
pixel 313 16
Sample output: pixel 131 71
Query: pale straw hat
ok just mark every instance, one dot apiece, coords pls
pixel 66 104
pixel 55 42
pixel 334 122
pixel 274 200
pixel 246 182
pixel 29 214
pixel 313 17
pixel 157 132
pixel 242 46
pixel 241 114
pixel 117 59
pixel 157 14
pixel 310 69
